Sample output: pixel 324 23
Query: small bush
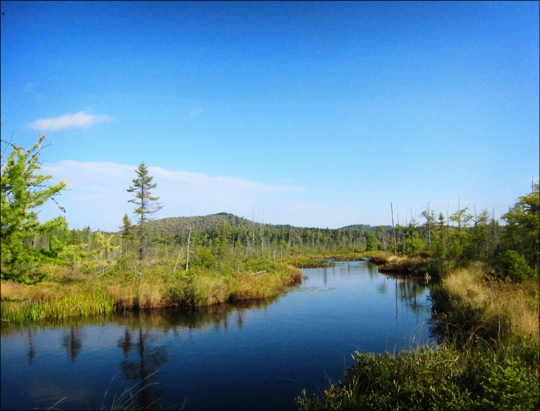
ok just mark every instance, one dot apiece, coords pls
pixel 513 265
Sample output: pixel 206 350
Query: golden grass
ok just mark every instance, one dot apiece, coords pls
pixel 65 295
pixel 507 305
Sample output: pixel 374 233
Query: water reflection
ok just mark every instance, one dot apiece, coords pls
pixel 373 271
pixel 125 342
pixel 141 362
pixel 409 292
pixel 218 315
pixel 72 343
pixel 31 350
pixel 235 353
pixel 382 288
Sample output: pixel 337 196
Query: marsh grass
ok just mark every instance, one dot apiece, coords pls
pixel 327 259
pixel 81 304
pixel 443 379
pixel 130 398
pixel 309 262
pixel 64 295
pixel 467 303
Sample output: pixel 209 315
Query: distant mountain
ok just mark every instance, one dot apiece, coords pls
pixel 168 227
pixel 171 226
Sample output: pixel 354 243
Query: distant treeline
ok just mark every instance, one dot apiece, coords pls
pixel 220 234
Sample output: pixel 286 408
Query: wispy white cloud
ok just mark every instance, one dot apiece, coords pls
pixel 98 194
pixel 80 119
pixel 98 197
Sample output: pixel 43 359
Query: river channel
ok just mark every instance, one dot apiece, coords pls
pixel 254 355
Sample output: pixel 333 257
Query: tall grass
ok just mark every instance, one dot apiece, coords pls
pixel 64 295
pixel 82 304
pixel 467 303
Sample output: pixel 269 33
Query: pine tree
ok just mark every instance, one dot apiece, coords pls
pixel 146 205
pixel 22 192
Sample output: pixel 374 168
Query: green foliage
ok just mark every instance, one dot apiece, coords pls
pixel 512 265
pixel 426 379
pixel 145 205
pixel 285 240
pixel 372 242
pixel 127 229
pixel 203 257
pixel 73 253
pixel 522 232
pixel 508 386
pixel 461 218
pixel 77 305
pixel 23 191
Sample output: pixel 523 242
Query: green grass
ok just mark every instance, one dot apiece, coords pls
pixel 63 295
pixel 322 260
pixel 82 304
pixel 428 379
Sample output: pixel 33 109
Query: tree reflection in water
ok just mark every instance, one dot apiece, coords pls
pixel 72 343
pixel 140 363
pixel 159 364
pixel 142 360
pixel 31 350
pixel 408 293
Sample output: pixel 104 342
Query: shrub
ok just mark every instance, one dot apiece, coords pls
pixel 426 379
pixel 513 265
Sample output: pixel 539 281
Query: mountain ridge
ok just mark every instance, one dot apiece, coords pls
pixel 171 226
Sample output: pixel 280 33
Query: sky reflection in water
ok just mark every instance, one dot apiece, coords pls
pixel 249 355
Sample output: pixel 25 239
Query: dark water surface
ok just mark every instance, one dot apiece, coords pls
pixel 256 355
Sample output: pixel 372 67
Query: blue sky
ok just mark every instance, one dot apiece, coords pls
pixel 311 114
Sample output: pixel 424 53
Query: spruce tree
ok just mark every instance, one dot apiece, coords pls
pixel 146 205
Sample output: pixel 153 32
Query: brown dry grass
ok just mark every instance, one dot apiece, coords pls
pixel 508 305
pixel 12 291
pixel 159 288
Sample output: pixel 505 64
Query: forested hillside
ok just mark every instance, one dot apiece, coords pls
pixel 242 231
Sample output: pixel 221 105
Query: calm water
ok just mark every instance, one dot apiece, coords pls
pixel 246 356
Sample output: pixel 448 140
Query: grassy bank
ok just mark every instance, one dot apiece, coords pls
pixel 69 292
pixel 64 295
pixel 419 266
pixel 488 355
pixel 326 259
pixel 75 291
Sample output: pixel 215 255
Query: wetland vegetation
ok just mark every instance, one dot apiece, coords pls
pixel 484 276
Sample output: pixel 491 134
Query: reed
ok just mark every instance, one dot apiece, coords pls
pixel 82 304
pixel 310 262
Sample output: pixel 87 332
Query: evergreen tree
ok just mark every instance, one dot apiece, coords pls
pixel 522 232
pixel 127 228
pixel 146 204
pixel 22 192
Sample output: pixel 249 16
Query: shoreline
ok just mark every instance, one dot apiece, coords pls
pixel 64 295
